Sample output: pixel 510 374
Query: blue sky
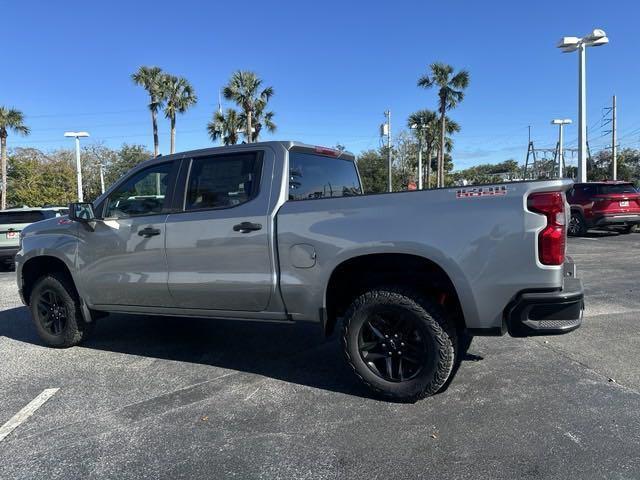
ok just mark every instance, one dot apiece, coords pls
pixel 335 67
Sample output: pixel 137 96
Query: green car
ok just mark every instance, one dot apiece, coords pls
pixel 13 220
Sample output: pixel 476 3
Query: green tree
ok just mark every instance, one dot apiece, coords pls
pixel 225 126
pixel 38 179
pixel 260 120
pixel 10 120
pixel 126 158
pixel 450 93
pixel 179 97
pixel 428 125
pixel 244 88
pixel 372 166
pixel 151 79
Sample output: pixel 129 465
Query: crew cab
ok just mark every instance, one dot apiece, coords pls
pixel 610 204
pixel 283 232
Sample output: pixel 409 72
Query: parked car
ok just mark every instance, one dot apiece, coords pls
pixel 14 220
pixel 282 232
pixel 603 205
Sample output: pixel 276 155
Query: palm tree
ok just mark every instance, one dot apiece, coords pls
pixel 150 78
pixel 10 119
pixel 225 126
pixel 429 127
pixel 260 119
pixel 450 93
pixel 179 97
pixel 244 88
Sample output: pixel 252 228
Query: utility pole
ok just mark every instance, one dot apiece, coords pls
pixel 614 150
pixel 420 159
pixel 388 132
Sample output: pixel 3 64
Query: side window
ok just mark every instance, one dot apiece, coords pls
pixel 318 176
pixel 144 193
pixel 223 181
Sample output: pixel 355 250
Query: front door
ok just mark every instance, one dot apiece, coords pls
pixel 218 247
pixel 122 262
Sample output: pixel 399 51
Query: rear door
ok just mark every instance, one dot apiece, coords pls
pixel 219 251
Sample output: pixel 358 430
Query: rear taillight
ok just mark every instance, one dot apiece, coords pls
pixel 551 240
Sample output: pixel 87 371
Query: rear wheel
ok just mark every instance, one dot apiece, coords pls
pixel 577 226
pixel 55 309
pixel 399 344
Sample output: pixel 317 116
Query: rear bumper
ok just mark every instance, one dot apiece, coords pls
pixel 616 219
pixel 547 313
pixel 8 253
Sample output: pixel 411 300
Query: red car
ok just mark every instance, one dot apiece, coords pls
pixel 603 204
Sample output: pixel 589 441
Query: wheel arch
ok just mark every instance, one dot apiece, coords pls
pixel 38 266
pixel 357 274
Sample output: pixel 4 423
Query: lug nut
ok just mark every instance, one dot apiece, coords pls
pixel 399 353
pixel 389 353
pixel 384 345
pixel 402 344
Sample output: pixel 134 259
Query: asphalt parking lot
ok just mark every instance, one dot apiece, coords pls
pixel 175 398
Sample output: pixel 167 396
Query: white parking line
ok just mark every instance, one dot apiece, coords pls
pixel 26 412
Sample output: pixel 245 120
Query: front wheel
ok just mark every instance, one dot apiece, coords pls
pixel 399 344
pixel 626 229
pixel 55 309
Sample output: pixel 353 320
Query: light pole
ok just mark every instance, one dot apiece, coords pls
pixel 101 177
pixel 77 136
pixel 418 128
pixel 570 44
pixel 561 123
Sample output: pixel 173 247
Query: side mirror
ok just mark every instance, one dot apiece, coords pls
pixel 82 213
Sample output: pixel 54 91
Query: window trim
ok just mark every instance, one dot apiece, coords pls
pixel 183 188
pixel 288 174
pixel 171 186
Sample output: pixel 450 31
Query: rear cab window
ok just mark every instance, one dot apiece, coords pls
pixel 314 176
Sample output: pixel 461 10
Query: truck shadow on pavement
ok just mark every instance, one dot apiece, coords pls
pixel 295 353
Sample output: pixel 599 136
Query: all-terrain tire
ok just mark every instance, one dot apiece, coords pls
pixel 438 333
pixel 74 329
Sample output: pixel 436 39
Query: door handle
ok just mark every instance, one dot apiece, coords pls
pixel 246 227
pixel 149 232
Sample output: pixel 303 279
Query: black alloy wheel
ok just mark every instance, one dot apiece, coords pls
pixel 52 312
pixel 392 346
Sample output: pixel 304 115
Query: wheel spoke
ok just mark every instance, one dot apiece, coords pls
pixel 389 365
pixel 372 356
pixel 375 331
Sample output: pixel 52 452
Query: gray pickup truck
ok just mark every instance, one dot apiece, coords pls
pixel 282 232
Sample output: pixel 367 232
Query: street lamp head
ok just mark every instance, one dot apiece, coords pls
pixel 76 134
pixel 599 42
pixel 561 121
pixel 568 44
pixel 596 38
pixel 595 35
